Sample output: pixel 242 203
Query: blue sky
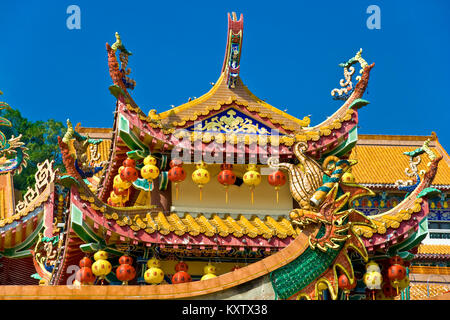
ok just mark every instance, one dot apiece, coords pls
pixel 290 57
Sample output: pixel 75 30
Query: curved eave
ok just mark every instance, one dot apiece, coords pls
pixel 399 223
pixel 167 291
pixel 91 225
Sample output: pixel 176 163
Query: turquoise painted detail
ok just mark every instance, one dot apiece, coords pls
pixel 429 193
pixel 298 274
pixel 358 103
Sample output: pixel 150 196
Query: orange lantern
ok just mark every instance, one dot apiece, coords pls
pixel 125 272
pixel 345 285
pixel 226 178
pixel 181 275
pixel 277 179
pixel 176 173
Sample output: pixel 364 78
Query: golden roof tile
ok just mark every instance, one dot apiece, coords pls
pixel 385 164
pixel 433 249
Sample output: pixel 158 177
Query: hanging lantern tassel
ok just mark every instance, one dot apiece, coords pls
pixel 201 188
pixel 278 197
pixel 252 193
pixel 226 194
pixel 176 190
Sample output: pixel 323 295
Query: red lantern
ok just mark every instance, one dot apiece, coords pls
pixel 125 272
pixel 277 179
pixel 181 266
pixel 129 163
pixel 176 173
pixel 181 277
pixel 388 290
pixel 85 275
pixel 126 260
pixel 226 177
pixel 129 174
pixel 85 262
pixel 396 273
pixel 345 285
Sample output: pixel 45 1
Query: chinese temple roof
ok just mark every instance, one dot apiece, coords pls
pixel 381 161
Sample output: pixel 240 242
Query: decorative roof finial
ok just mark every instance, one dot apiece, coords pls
pixel 233 49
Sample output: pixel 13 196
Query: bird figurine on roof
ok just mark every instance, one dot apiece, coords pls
pixel 119 45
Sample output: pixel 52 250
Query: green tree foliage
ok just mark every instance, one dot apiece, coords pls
pixel 41 139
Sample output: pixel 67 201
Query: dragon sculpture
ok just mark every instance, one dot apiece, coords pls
pixel 13 155
pixel 325 197
pixel 324 201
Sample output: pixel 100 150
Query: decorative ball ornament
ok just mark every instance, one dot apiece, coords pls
pixel 129 174
pixel 149 172
pixel 226 177
pixel 85 262
pixel 277 179
pixel 176 173
pixel 154 275
pixel 101 267
pixel 150 160
pixel 252 178
pixel 345 285
pixel 403 283
pixel 201 176
pixel 209 272
pixel 373 278
pixel 129 163
pixel 153 263
pixel 372 266
pixel 396 273
pixel 181 275
pixel 181 266
pixel 125 272
pixel 85 276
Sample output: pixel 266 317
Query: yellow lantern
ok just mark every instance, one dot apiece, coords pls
pixel 402 284
pixel 209 272
pixel 201 176
pixel 149 172
pixel 101 267
pixel 153 263
pixel 154 275
pixel 120 184
pixel 150 160
pixel 252 178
